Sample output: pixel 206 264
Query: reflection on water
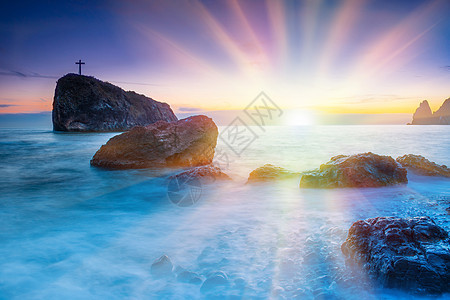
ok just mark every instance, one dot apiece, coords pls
pixel 69 230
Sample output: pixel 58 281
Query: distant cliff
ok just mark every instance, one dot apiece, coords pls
pixel 83 103
pixel 424 115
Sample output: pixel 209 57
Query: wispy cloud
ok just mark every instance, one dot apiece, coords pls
pixel 13 73
pixel 189 109
pixel 446 68
pixel 6 105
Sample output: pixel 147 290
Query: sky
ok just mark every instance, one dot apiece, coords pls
pixel 310 57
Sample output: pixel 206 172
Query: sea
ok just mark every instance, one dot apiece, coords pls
pixel 72 231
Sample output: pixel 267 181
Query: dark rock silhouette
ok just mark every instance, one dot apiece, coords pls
pixel 206 174
pixel 84 103
pixel 270 172
pixel 411 254
pixel 423 166
pixel 188 142
pixel 359 170
pixel 424 115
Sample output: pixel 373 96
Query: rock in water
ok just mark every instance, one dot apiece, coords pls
pixel 270 172
pixel 206 174
pixel 411 254
pixel 188 142
pixel 424 116
pixel 423 166
pixel 359 170
pixel 162 267
pixel 83 103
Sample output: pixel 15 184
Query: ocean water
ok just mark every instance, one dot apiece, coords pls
pixel 71 231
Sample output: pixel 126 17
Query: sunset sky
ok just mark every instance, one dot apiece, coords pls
pixel 311 56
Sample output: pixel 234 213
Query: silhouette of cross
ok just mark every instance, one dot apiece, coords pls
pixel 79 63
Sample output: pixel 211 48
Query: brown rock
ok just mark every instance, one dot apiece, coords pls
pixel 186 143
pixel 270 172
pixel 206 174
pixel 359 170
pixel 423 166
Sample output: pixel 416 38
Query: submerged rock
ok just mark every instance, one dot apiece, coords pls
pixel 162 267
pixel 359 170
pixel 205 174
pixel 270 172
pixel 423 166
pixel 411 254
pixel 84 103
pixel 186 143
pixel 215 280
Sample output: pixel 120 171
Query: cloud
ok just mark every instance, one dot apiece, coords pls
pixel 13 73
pixel 6 105
pixel 447 68
pixel 189 109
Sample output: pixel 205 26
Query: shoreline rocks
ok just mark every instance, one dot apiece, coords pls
pixel 188 142
pixel 270 172
pixel 359 170
pixel 86 104
pixel 411 254
pixel 423 166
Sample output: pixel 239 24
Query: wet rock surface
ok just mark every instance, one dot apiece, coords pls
pixel 162 267
pixel 86 104
pixel 359 170
pixel 205 174
pixel 270 172
pixel 411 254
pixel 423 166
pixel 186 143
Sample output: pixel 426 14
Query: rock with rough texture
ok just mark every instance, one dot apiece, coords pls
pixel 424 116
pixel 423 166
pixel 86 104
pixel 359 170
pixel 270 172
pixel 186 143
pixel 206 174
pixel 162 267
pixel 412 254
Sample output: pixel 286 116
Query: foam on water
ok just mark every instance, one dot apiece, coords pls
pixel 77 232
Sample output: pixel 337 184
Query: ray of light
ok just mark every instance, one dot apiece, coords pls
pixel 277 19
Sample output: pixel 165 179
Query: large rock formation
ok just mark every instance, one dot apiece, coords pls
pixel 186 143
pixel 424 115
pixel 270 172
pixel 423 166
pixel 359 170
pixel 412 254
pixel 83 103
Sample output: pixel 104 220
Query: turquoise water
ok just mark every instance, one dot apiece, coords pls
pixel 73 231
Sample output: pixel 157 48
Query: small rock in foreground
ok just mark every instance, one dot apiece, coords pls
pixel 162 267
pixel 206 174
pixel 270 172
pixel 411 254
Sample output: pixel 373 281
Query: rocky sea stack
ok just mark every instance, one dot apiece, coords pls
pixel 424 115
pixel 86 104
pixel 411 254
pixel 359 170
pixel 188 142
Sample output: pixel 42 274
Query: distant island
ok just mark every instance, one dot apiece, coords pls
pixel 424 115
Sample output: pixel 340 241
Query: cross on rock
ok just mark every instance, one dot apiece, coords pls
pixel 79 63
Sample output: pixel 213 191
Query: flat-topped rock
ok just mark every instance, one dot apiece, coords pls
pixel 423 166
pixel 86 104
pixel 270 172
pixel 411 254
pixel 359 170
pixel 188 142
